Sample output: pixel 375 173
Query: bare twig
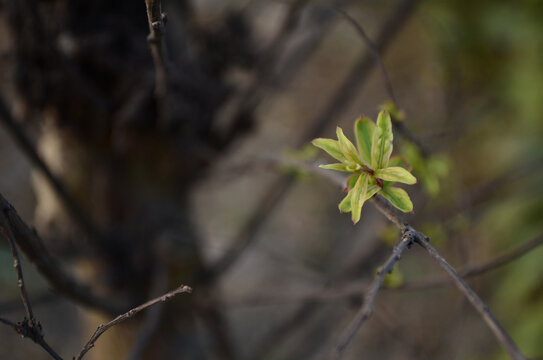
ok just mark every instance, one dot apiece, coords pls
pixel 152 320
pixel 500 333
pixel 350 289
pixel 366 310
pixel 35 334
pixel 35 251
pixel 29 327
pixel 8 234
pixel 28 149
pixel 37 300
pixel 157 19
pixel 103 328
pixel 374 50
pixel 356 77
pixel 479 269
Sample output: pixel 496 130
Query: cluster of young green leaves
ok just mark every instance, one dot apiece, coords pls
pixel 373 171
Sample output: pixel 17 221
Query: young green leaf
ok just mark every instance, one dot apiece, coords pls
pixel 381 147
pixel 372 190
pixel 331 147
pixel 358 197
pixel 363 130
pixel 398 198
pixel 351 180
pixel 397 174
pixel 336 166
pixel 347 147
pixel 345 204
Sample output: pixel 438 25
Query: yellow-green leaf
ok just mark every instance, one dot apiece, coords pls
pixel 347 147
pixel 358 197
pixel 372 190
pixel 398 198
pixel 345 204
pixel 363 130
pixel 397 174
pixel 351 180
pixel 336 166
pixel 381 147
pixel 331 147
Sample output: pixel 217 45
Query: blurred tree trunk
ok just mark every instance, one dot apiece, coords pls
pixel 84 73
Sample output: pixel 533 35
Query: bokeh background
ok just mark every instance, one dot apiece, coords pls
pixel 264 78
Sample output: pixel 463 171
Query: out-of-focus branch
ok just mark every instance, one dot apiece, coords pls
pixel 374 50
pixel 39 299
pixel 350 289
pixel 35 251
pixel 479 269
pixel 366 310
pixel 264 73
pixel 73 209
pixel 103 328
pixel 157 20
pixel 343 96
pixel 29 10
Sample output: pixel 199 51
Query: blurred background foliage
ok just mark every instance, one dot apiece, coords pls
pixel 469 77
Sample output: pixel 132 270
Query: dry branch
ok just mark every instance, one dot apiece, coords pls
pixel 157 20
pixel 366 310
pixel 23 141
pixel 103 328
pixel 32 246
pixel 29 327
pixel 374 50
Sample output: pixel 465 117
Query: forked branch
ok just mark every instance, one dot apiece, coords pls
pixel 366 310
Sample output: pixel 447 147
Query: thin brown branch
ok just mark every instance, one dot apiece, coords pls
pixel 103 328
pixel 371 296
pixel 37 300
pixel 359 73
pixel 23 141
pixel 8 234
pixel 499 332
pixel 152 320
pixel 33 333
pixel 29 327
pixel 374 50
pixel 350 289
pixel 157 20
pixel 480 269
pixel 36 252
